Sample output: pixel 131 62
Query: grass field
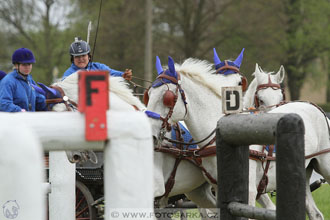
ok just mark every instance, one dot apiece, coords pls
pixel 322 200
pixel 321 197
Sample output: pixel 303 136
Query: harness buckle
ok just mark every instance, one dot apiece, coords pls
pixel 196 154
pixel 65 98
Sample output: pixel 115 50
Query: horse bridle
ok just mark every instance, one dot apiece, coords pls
pixel 69 104
pixel 236 70
pixel 270 84
pixel 169 100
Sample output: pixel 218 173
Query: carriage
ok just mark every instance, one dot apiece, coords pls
pixel 178 89
pixel 89 187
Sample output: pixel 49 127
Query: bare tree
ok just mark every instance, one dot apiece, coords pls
pixel 36 24
pixel 191 25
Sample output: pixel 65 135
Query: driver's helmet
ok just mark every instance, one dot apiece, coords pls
pixel 23 55
pixel 79 47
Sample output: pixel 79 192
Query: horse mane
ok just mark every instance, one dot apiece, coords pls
pixel 248 99
pixel 202 72
pixel 117 86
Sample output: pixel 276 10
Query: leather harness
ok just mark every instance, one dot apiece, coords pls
pixel 63 99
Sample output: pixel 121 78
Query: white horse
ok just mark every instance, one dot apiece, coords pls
pixel 265 90
pixel 316 139
pixel 121 97
pixel 200 107
pixel 189 179
pixel 200 116
pixel 316 133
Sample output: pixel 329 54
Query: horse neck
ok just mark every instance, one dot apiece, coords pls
pixel 120 96
pixel 248 100
pixel 204 109
pixel 118 86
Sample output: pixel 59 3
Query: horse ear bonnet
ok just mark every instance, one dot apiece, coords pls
pixel 171 68
pixel 220 65
pixel 170 72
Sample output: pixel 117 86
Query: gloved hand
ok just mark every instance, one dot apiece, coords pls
pixel 127 74
pixel 50 92
pixel 38 89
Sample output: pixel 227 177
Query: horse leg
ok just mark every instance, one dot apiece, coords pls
pixel 159 180
pixel 266 202
pixel 202 196
pixel 162 213
pixel 252 182
pixel 312 211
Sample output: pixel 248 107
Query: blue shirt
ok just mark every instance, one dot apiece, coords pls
pixel 16 93
pixel 91 66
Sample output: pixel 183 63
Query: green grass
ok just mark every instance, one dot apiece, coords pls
pixel 321 197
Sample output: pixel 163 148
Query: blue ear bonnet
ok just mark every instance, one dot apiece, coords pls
pixel 170 72
pixel 226 71
pixel 218 63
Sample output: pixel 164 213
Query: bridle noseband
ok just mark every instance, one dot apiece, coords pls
pixel 270 84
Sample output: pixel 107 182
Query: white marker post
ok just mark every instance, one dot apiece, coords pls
pixel 232 99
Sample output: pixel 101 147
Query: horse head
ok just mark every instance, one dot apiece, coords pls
pixel 179 90
pixel 268 92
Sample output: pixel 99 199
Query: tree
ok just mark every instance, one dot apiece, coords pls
pixel 37 25
pixel 307 38
pixel 120 37
pixel 190 28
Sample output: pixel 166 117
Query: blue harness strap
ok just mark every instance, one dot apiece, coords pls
pixel 267 148
pixel 185 135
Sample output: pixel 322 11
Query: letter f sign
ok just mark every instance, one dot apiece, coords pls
pixel 94 102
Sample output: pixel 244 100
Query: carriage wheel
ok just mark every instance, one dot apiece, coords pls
pixel 84 199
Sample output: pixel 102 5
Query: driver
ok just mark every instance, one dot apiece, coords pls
pixel 16 91
pixel 81 60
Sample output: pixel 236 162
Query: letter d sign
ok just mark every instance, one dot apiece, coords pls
pixel 94 102
pixel 232 99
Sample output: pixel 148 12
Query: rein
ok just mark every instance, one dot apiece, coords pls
pixel 193 143
pixel 67 102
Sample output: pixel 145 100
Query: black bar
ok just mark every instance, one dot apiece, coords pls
pixel 235 133
pixel 290 168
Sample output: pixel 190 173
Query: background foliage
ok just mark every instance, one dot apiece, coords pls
pixel 293 33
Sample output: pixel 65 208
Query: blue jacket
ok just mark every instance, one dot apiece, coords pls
pixel 16 94
pixel 91 66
